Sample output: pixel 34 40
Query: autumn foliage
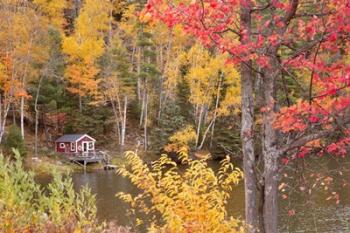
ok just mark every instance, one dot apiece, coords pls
pixel 311 41
pixel 301 42
pixel 189 201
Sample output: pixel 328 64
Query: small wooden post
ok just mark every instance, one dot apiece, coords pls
pixel 84 165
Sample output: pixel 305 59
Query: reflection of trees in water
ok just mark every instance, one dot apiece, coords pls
pixel 312 211
pixel 105 184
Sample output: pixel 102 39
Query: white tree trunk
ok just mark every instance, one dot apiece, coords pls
pixel 212 123
pixel 22 116
pixel 142 108
pixel 24 77
pixel 199 125
pixel 205 133
pixel 3 120
pixel 124 120
pixel 37 116
pixel 145 123
pixel 116 117
pixel 138 69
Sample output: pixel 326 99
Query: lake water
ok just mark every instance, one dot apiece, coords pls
pixel 301 211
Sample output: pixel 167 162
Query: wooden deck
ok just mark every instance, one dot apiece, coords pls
pixel 85 158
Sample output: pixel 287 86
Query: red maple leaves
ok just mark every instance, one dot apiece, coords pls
pixel 313 40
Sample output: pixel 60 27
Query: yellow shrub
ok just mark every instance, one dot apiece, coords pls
pixel 178 201
pixel 182 138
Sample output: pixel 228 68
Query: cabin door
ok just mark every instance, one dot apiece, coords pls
pixel 85 147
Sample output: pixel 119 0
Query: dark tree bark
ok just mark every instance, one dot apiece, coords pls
pixel 247 130
pixel 270 150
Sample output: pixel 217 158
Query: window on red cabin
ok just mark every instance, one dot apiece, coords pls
pixel 72 146
pixel 62 145
pixel 91 145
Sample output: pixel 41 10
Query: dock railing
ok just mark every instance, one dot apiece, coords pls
pixel 89 157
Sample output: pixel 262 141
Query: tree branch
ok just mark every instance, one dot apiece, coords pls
pixel 311 137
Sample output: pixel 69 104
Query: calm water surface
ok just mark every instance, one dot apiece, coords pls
pixel 313 213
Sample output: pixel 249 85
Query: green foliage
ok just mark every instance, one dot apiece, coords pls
pixel 25 207
pixel 226 139
pixel 115 63
pixel 171 120
pixel 193 200
pixel 14 140
pixel 93 121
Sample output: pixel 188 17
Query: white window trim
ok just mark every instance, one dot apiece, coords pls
pixel 73 146
pixel 62 145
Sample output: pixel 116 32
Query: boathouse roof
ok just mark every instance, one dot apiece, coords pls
pixel 73 137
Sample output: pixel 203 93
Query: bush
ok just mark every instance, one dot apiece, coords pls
pixel 193 200
pixel 25 207
pixel 14 140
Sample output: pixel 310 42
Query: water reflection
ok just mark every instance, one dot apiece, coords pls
pixel 313 213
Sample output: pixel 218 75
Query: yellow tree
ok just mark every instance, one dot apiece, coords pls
pixel 54 11
pixel 206 76
pixel 22 43
pixel 85 46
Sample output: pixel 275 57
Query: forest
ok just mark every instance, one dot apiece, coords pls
pixel 192 100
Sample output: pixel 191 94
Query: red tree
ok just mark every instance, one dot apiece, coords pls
pixel 306 41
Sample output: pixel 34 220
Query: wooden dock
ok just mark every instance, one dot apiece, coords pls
pixel 85 158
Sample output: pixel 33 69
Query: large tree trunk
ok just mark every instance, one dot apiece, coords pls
pixel 247 129
pixel 249 164
pixel 270 151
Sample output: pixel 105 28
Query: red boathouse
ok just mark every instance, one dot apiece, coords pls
pixel 75 144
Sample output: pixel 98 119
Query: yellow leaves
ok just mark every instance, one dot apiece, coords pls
pixel 86 45
pixel 88 49
pixel 204 72
pixel 23 34
pixel 129 21
pixel 82 78
pixel 77 230
pixel 192 200
pixel 181 138
pixel 4 73
pixel 184 136
pixel 54 9
pixel 87 41
pixel 93 19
